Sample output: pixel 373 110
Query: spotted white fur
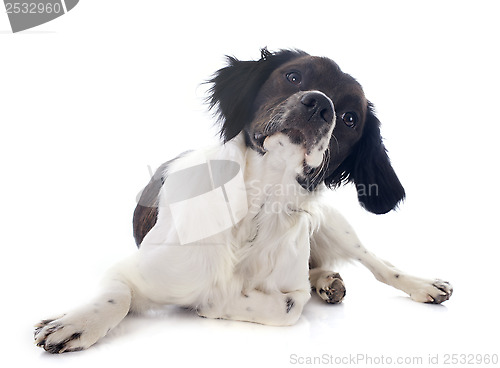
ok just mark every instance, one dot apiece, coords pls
pixel 257 271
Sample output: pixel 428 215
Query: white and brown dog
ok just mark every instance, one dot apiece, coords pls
pixel 241 231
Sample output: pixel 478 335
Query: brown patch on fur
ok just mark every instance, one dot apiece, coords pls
pixel 146 211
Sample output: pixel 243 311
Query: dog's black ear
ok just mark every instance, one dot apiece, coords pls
pixel 369 168
pixel 235 87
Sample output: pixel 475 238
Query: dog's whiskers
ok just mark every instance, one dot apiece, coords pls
pixel 274 122
pixel 338 145
pixel 316 175
pixel 321 169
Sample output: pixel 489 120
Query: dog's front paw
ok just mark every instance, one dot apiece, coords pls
pixel 434 292
pixel 67 333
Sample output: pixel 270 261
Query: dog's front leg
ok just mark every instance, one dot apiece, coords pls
pixel 336 240
pixel 84 326
pixel 419 289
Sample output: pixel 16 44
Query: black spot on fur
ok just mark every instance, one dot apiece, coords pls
pixel 75 336
pixel 53 348
pixel 289 304
pixel 111 301
pixel 57 348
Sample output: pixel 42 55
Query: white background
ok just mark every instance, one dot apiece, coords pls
pixel 89 100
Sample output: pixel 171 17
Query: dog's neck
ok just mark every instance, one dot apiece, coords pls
pixel 272 178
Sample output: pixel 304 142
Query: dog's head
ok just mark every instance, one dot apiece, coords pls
pixel 319 108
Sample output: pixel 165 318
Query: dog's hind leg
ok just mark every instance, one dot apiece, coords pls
pixel 276 309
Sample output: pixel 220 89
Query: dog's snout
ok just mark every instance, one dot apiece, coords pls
pixel 318 104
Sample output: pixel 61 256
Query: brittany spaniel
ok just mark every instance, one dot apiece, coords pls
pixel 242 230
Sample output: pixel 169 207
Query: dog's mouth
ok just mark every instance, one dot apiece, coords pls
pixel 296 137
pixel 302 138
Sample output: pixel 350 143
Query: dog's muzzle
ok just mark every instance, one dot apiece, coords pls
pixel 309 120
pixel 306 117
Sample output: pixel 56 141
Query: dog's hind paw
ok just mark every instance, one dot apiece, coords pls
pixel 330 287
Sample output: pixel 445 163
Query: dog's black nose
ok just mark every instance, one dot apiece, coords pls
pixel 317 104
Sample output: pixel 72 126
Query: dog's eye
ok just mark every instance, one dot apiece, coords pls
pixel 294 77
pixel 350 119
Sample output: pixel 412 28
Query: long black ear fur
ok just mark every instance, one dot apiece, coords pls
pixel 369 168
pixel 235 87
